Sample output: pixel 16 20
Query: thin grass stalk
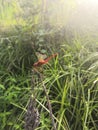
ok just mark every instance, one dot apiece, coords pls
pixel 48 101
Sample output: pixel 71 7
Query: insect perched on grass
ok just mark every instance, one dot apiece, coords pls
pixel 44 61
pixel 37 68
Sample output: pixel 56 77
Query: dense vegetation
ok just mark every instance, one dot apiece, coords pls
pixel 71 79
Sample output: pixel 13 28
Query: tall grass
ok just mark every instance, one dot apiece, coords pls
pixel 16 59
pixel 71 81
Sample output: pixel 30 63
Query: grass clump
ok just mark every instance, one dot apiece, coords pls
pixel 14 91
pixel 71 81
pixel 15 77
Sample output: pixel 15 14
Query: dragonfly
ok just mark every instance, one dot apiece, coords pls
pixel 41 62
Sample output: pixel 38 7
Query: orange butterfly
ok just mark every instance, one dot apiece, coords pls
pixel 44 61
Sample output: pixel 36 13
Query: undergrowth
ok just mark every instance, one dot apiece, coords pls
pixel 71 81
